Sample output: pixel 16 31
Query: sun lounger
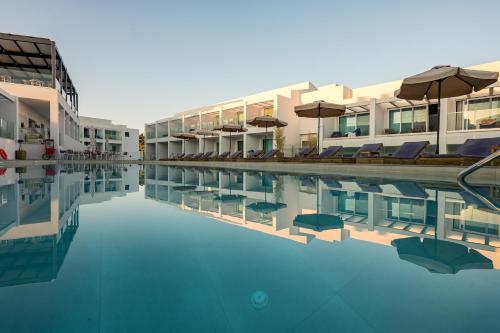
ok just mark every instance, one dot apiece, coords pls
pixel 222 156
pixel 255 153
pixel 471 151
pixel 235 155
pixel 196 156
pixel 187 157
pixel 407 153
pixel 178 156
pixel 267 156
pixel 207 155
pixel 366 150
pixel 325 155
pixel 306 152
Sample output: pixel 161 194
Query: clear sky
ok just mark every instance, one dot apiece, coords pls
pixel 139 61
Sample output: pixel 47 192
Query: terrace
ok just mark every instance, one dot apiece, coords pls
pixel 233 116
pixel 35 62
pixel 480 113
pixel 191 123
pixel 210 120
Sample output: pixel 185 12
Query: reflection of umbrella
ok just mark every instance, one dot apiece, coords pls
pixel 205 133
pixel 184 136
pixel 266 121
pixel 184 188
pixel 229 197
pixel 317 221
pixel 231 128
pixel 319 109
pixel 439 256
pixel 444 82
pixel 265 207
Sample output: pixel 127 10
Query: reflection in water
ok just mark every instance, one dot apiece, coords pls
pixel 463 231
pixel 439 227
pixel 39 215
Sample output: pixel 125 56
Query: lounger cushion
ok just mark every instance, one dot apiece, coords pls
pixel 368 148
pixel 410 150
pixel 478 147
pixel 330 151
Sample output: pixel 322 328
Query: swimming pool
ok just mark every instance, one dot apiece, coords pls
pixel 86 248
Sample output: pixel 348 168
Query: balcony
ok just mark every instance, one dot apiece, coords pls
pixel 474 120
pixel 112 136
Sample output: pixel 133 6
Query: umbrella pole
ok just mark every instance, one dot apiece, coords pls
pixel 265 138
pixel 319 117
pixel 439 116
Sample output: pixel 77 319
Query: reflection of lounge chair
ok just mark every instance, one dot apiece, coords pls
pixel 407 153
pixel 469 153
pixel 366 150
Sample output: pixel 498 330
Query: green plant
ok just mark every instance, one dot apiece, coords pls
pixel 280 139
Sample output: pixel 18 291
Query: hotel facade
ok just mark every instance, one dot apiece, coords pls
pixel 373 115
pixel 38 99
pixel 104 136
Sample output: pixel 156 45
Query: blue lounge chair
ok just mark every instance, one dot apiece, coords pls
pixel 236 154
pixel 270 154
pixel 207 155
pixel 305 152
pixel 255 153
pixel 407 153
pixel 366 150
pixel 471 151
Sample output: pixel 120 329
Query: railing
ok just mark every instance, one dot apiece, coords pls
pixel 474 120
pixel 113 136
pixel 33 135
pixel 209 125
pixel 150 134
pixel 234 121
pixel 6 129
pixel 22 77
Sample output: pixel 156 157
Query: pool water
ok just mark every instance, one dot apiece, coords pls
pixel 168 249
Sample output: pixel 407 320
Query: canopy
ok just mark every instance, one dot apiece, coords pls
pixel 455 81
pixel 231 128
pixel 267 121
pixel 319 109
pixel 184 136
pixel 439 256
pixel 266 207
pixel 318 222
pixel 444 82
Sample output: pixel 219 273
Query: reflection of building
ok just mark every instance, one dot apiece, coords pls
pixel 104 136
pixel 373 115
pixel 377 211
pixel 39 215
pixel 38 98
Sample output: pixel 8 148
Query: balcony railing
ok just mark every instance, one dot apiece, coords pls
pixel 234 121
pixel 6 129
pixel 113 136
pixel 210 125
pixel 20 77
pixel 150 134
pixel 474 120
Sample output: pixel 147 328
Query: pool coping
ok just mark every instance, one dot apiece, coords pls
pixel 487 175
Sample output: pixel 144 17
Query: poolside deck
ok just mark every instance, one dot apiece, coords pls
pixel 487 175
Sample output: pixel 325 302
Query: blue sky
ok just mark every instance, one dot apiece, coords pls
pixel 138 61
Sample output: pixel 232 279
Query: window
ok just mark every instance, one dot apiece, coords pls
pixel 479 113
pixel 408 120
pixel 349 123
pixel 127 134
pixel 308 140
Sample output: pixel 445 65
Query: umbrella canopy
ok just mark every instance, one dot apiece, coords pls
pixel 184 136
pixel 439 256
pixel 229 197
pixel 444 82
pixel 205 133
pixel 319 109
pixel 267 121
pixel 266 207
pixel 231 128
pixel 318 222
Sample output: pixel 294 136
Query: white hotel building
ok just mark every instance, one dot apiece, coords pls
pixel 38 99
pixel 104 136
pixel 380 117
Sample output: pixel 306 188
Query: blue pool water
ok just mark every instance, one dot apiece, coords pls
pixel 170 249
